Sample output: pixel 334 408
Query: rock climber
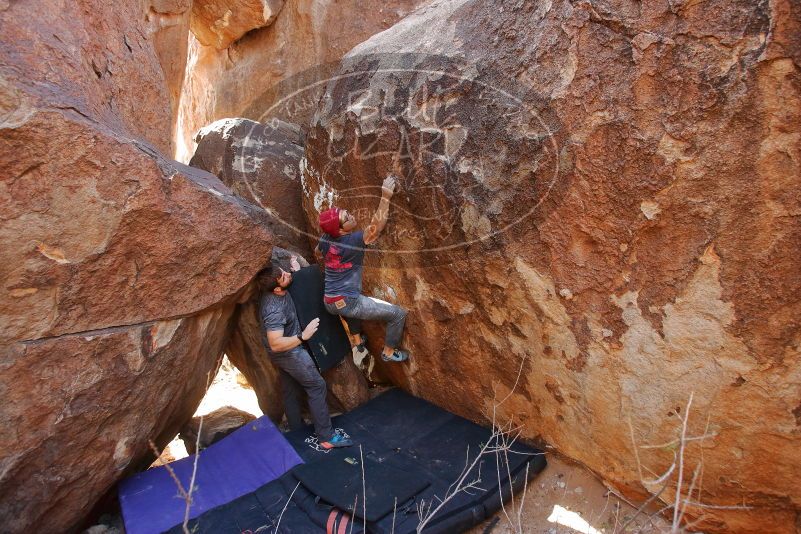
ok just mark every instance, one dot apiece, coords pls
pixel 342 248
pixel 284 341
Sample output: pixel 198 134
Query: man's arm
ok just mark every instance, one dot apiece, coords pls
pixel 279 343
pixel 379 220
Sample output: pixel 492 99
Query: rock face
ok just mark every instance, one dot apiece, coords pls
pixel 218 24
pixel 599 215
pixel 247 353
pixel 260 163
pixel 167 27
pixel 80 409
pixel 120 267
pixel 306 34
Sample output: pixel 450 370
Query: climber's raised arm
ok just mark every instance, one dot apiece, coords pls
pixel 343 249
pixel 379 220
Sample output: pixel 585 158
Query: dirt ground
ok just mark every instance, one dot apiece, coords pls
pixel 566 498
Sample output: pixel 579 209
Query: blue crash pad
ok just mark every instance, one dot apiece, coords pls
pixel 247 459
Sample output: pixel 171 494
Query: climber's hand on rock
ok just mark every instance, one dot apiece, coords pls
pixel 294 265
pixel 388 187
pixel 311 328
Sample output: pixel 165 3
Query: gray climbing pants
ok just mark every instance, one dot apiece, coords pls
pixel 298 374
pixel 371 309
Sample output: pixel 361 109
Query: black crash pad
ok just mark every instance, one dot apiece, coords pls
pixel 394 431
pixel 330 344
pixel 337 479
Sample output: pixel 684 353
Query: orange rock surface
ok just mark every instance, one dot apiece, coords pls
pixel 220 23
pixel 245 79
pixel 604 200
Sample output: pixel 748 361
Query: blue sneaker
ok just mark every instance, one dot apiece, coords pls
pixel 336 442
pixel 397 356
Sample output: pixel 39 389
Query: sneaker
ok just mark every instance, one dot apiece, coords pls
pixel 336 442
pixel 398 355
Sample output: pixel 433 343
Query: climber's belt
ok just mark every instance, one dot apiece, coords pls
pixel 338 301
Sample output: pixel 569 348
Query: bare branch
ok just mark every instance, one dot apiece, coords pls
pixel 692 524
pixel 643 506
pixel 693 481
pixel 514 386
pixel 684 420
pixel 653 515
pixel 676 441
pixel 500 443
pixel 278 524
pixel 194 474
pixel 394 511
pixel 169 469
pixel 364 489
pixel 522 500
pixel 355 502
pixel 718 506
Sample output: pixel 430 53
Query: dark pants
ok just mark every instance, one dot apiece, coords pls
pixel 372 309
pixel 298 374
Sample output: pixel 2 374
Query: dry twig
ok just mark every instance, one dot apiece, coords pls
pixel 185 494
pixel 500 443
pixel 681 501
pixel 278 523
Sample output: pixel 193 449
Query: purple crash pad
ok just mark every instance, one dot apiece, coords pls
pixel 242 462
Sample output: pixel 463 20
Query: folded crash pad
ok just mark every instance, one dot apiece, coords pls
pixel 395 433
pixel 330 345
pixel 250 457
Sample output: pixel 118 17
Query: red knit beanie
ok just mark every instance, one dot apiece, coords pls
pixel 329 222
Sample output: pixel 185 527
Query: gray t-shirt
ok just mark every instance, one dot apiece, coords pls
pixel 277 312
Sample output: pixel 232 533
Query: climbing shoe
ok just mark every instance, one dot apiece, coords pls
pixel 336 442
pixel 397 355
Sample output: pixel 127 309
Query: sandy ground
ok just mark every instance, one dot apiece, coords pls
pixel 565 498
pixel 229 388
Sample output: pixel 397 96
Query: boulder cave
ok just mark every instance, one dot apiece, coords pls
pixel 598 220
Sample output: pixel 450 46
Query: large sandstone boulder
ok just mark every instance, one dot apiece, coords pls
pixel 121 267
pixel 260 163
pixel 80 409
pixel 599 215
pixel 245 79
pixel 219 23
